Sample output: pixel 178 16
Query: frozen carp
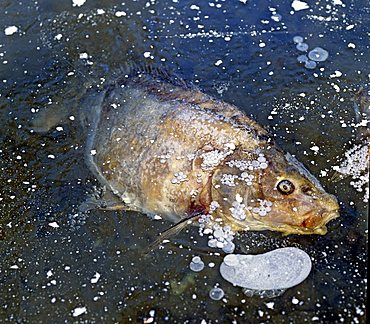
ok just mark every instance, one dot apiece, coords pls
pixel 162 147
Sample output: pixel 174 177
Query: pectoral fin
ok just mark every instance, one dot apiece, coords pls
pixel 172 231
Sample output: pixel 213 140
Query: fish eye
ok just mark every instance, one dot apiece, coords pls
pixel 285 187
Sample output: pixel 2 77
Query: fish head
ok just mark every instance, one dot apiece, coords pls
pixel 278 194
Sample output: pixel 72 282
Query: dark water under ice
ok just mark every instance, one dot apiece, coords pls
pixel 240 51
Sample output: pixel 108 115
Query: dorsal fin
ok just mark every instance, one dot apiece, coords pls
pixel 142 73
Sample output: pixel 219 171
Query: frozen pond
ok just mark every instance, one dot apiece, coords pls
pixel 294 66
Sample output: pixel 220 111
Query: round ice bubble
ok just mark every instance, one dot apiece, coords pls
pixel 196 259
pixel 231 260
pixel 318 54
pixel 216 293
pixel 302 58
pixel 277 269
pixel 298 39
pixel 196 264
pixel 212 243
pixel 310 65
pixel 303 47
pixel 228 247
pixel 219 233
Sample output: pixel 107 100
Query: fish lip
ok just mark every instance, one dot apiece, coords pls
pixel 326 216
pixel 287 229
pixel 331 214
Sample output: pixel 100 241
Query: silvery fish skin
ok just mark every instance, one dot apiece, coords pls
pixel 165 148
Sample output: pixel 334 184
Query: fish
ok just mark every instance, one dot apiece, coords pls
pixel 160 146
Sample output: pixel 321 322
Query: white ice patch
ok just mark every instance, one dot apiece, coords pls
pixel 336 74
pixel 356 165
pixel 219 62
pixel 10 30
pixel 78 3
pixel 96 278
pixel 54 224
pixel 299 5
pixel 84 56
pixel 213 158
pixel 79 311
pixel 120 14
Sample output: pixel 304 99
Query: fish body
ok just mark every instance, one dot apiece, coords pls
pixel 162 147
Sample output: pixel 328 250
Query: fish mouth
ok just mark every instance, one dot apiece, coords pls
pixel 313 224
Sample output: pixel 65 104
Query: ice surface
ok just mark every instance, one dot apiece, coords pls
pixel 278 269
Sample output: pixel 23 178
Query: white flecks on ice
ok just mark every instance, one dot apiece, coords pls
pixel 356 165
pixel 179 177
pixel 78 3
pixel 120 14
pixel 84 56
pixel 95 278
pixel 54 224
pixel 299 5
pixel 79 311
pixel 10 30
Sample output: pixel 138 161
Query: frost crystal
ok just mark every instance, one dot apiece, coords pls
pixel 356 165
pixel 237 211
pixel 213 206
pixel 213 158
pixel 228 179
pixel 243 165
pixel 10 30
pixel 179 177
pixel 264 207
pixel 219 237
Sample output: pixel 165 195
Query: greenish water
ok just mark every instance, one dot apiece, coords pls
pixel 47 272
